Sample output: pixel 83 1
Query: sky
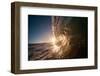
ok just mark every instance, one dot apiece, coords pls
pixel 39 29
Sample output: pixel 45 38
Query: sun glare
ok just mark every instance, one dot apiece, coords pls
pixel 58 43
